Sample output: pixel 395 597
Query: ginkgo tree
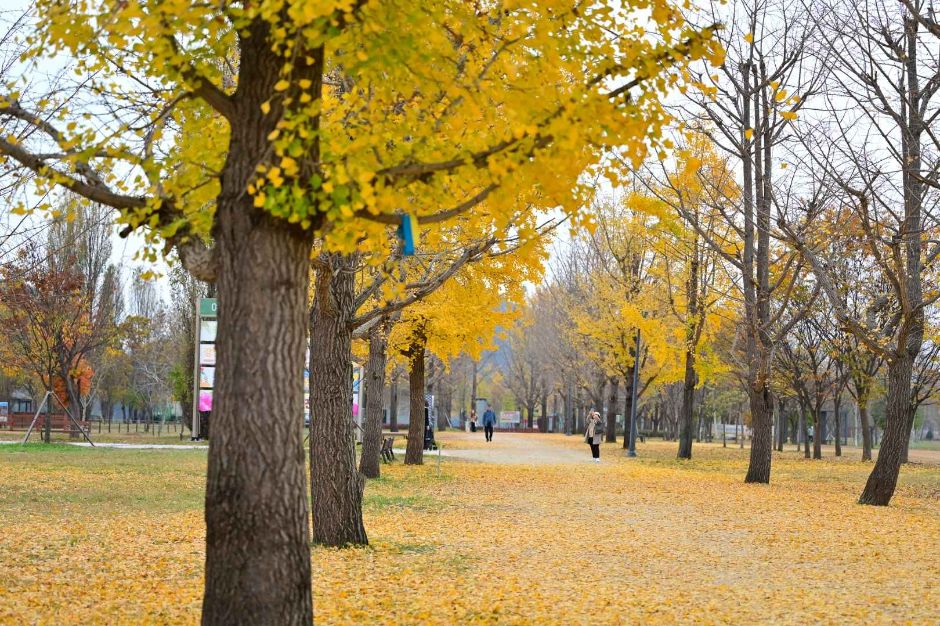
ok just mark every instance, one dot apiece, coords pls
pixel 240 133
pixel 461 318
pixel 444 253
pixel 690 237
pixel 618 299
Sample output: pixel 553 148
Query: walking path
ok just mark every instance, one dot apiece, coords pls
pixel 511 449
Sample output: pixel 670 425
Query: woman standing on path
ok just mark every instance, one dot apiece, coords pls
pixel 593 435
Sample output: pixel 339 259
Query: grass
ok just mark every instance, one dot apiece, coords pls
pixel 116 536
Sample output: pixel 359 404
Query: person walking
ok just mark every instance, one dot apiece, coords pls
pixel 489 421
pixel 593 435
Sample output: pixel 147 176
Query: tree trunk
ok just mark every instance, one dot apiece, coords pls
pixel 865 425
pixel 756 266
pixel 369 463
pixel 530 414
pixel 611 434
pixel 47 427
pixel 257 520
pixel 473 389
pixel 804 432
pixel 568 400
pixel 336 484
pixel 884 476
pixel 685 414
pixel 817 430
pixel 836 408
pixel 543 422
pixel 781 425
pixel 627 406
pixel 911 416
pixel 414 453
pixel 393 402
pixel 762 444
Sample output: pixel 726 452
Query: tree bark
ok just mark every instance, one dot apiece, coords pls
pixel 865 424
pixel 836 408
pixel 47 426
pixel 611 434
pixel 762 440
pixel 543 421
pixel 369 463
pixel 781 424
pixel 688 399
pixel 884 476
pixel 473 390
pixel 627 406
pixel 336 484
pixel 911 416
pixel 817 429
pixel 804 432
pixel 756 290
pixel 414 453
pixel 257 523
pixel 393 403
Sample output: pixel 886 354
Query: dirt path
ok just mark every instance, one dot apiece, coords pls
pixel 511 449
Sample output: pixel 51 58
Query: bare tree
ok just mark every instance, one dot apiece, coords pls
pixel 747 109
pixel 873 156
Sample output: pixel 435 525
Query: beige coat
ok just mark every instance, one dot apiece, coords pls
pixel 594 432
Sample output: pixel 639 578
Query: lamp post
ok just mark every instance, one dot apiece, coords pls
pixel 631 451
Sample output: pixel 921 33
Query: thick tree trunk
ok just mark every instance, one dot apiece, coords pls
pixel 884 476
pixel 762 444
pixel 611 434
pixel 257 517
pixel 257 523
pixel 530 415
pixel 369 463
pixel 336 484
pixel 865 424
pixel 685 412
pixel 414 453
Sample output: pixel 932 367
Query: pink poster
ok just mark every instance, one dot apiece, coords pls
pixel 205 400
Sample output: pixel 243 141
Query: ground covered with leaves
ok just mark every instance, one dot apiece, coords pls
pixel 115 536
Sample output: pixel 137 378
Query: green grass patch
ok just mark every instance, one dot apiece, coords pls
pixel 382 502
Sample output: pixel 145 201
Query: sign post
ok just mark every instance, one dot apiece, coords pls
pixel 204 365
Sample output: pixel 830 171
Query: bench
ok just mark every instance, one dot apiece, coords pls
pixel 388 455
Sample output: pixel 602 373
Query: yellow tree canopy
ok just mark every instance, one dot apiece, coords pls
pixel 425 108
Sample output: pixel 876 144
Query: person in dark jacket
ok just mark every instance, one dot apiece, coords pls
pixel 489 421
